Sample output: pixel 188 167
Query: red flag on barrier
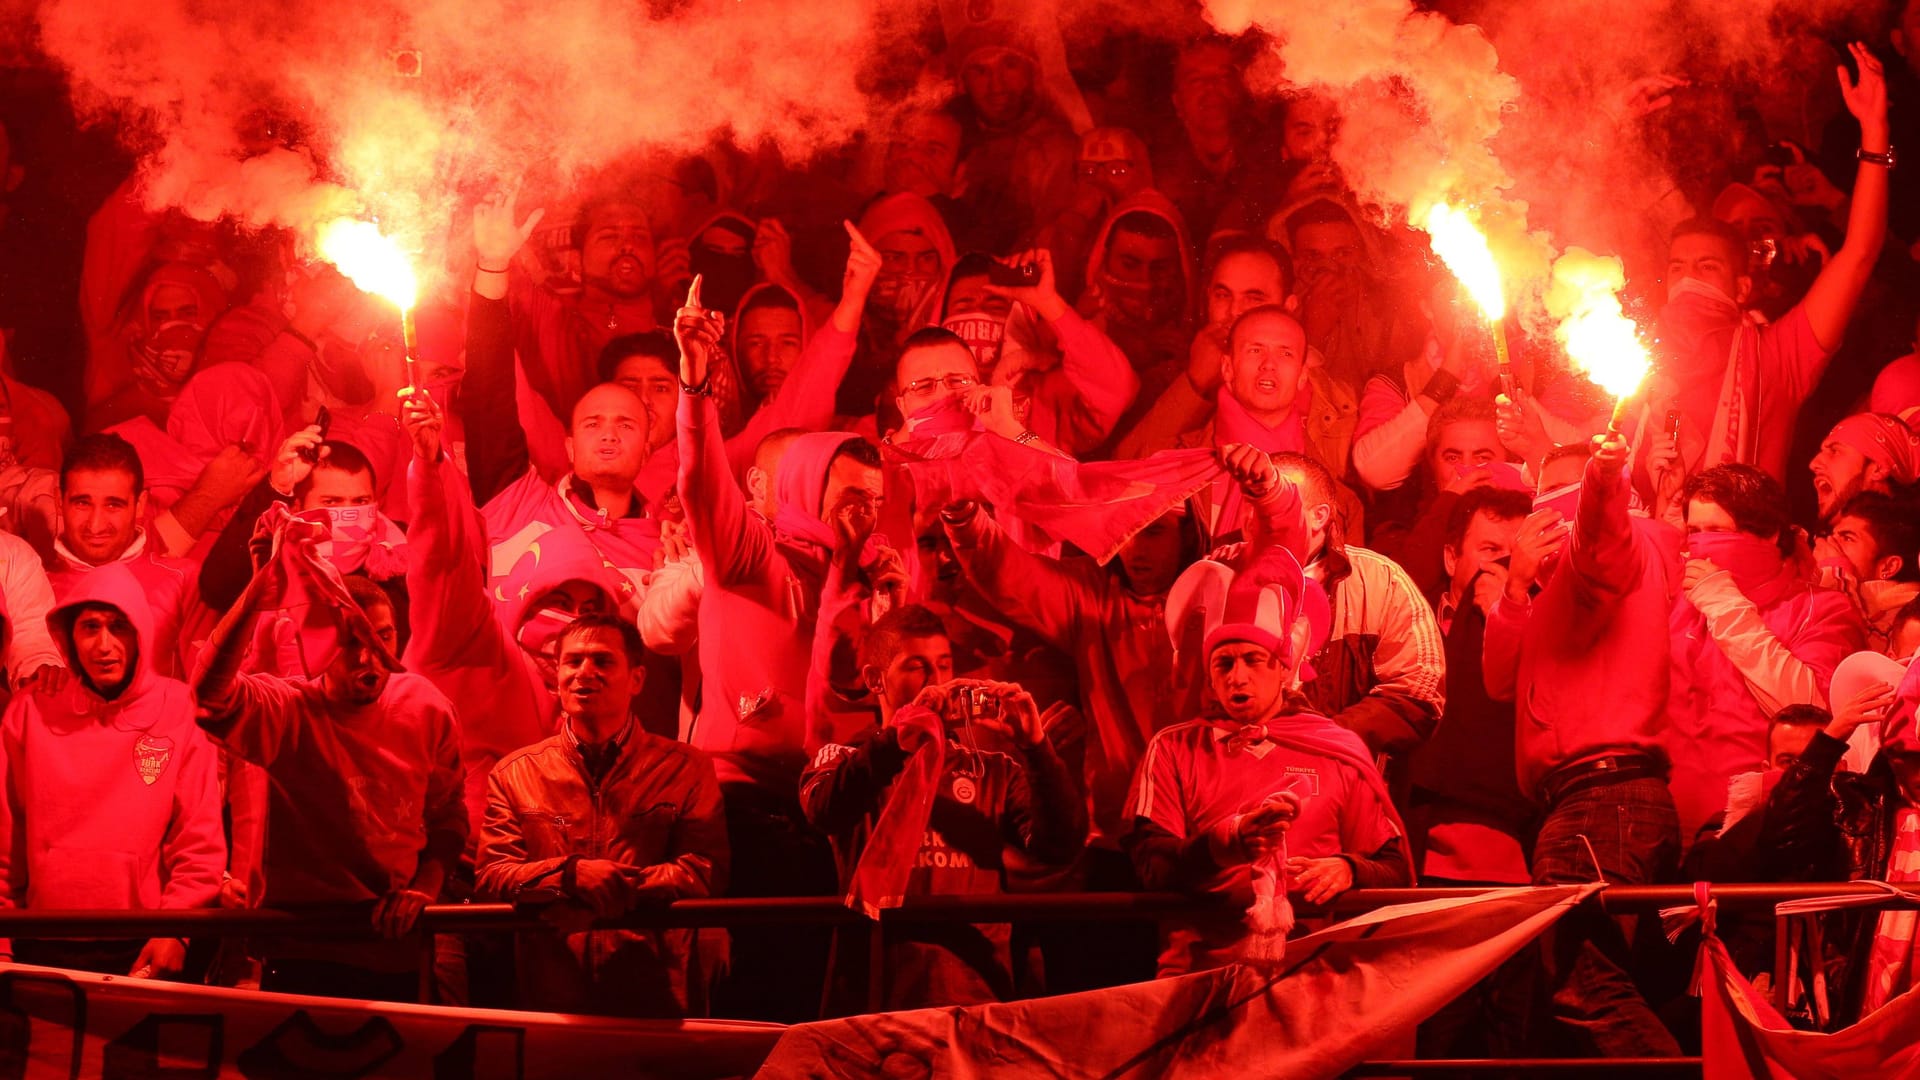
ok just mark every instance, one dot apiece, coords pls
pixel 1340 996
pixel 73 1026
pixel 1742 1036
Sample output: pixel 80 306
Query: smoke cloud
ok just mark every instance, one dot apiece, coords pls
pixel 409 106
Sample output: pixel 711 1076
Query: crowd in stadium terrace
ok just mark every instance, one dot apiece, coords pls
pixel 1094 493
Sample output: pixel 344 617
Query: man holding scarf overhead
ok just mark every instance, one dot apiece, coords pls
pixel 1259 799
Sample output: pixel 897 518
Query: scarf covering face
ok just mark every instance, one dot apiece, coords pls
pixel 355 534
pixel 1752 561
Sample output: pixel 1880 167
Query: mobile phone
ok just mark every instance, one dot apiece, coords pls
pixel 1017 275
pixel 322 420
pixel 1673 424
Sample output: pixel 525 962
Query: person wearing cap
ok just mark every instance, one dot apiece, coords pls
pixel 1864 452
pixel 1259 794
pixel 1584 657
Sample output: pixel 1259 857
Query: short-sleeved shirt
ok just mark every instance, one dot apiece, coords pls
pixel 1190 783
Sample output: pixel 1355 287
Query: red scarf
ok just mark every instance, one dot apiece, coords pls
pixel 1232 423
pixel 886 864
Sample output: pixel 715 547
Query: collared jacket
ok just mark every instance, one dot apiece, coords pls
pixel 656 811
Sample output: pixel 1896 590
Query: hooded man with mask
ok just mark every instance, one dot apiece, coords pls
pixel 112 796
pixel 1577 640
pixel 1076 381
pixel 163 336
pixel 1749 636
pixel 916 257
pixel 1738 387
pixel 1140 287
pixel 758 612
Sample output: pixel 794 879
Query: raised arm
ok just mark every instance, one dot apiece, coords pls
pixel 497 451
pixel 1099 378
pixel 1049 598
pixel 451 615
pixel 732 544
pixel 805 399
pixel 1830 302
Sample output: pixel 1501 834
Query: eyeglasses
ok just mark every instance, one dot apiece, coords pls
pixel 951 382
pixel 1113 170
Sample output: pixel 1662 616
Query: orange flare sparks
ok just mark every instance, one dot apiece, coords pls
pixel 372 261
pixel 1600 340
pixel 1463 247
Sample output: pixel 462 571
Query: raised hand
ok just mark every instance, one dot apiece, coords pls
pixel 697 331
pixel 295 459
pixel 496 237
pixel 863 265
pixel 1866 97
pixel 422 418
pixel 1043 296
pixel 1249 467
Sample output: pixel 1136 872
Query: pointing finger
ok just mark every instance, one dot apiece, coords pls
pixel 853 233
pixel 693 292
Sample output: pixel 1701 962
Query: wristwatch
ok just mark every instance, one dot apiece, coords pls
pixel 1885 161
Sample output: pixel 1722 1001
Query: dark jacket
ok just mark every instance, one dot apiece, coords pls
pixel 987 801
pixel 1826 826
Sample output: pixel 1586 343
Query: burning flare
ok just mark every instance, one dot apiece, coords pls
pixel 1600 340
pixel 370 260
pixel 1463 247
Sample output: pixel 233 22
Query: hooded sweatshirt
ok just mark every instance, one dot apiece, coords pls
pixel 1158 352
pixel 167 584
pixel 804 400
pixel 109 804
pixel 898 304
pixel 1586 661
pixel 760 602
pixel 1747 642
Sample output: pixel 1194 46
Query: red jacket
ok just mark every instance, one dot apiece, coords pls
pixel 1586 662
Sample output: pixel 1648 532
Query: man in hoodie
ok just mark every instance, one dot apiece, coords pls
pixel 1584 659
pixel 1866 452
pixel 1739 387
pixel 759 607
pixel 103 500
pixel 916 256
pixel 112 794
pixel 365 778
pixel 1749 637
pixel 610 818
pixel 1139 288
pixel 984 801
pixel 1259 797
pixel 1019 149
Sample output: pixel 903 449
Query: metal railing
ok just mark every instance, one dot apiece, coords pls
pixel 470 918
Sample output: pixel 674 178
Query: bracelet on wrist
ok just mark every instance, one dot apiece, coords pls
pixel 705 389
pixel 1885 161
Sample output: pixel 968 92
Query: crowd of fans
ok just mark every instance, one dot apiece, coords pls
pixel 634 587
